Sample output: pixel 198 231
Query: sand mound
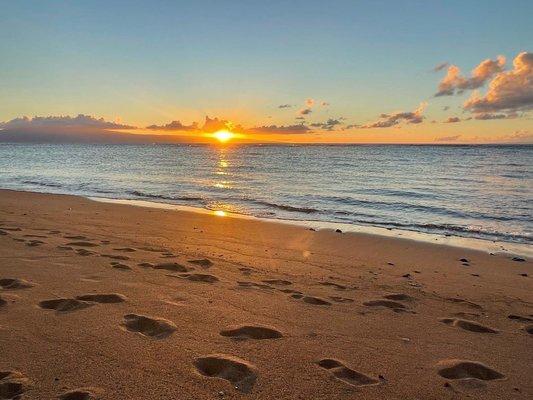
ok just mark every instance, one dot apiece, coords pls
pixel 252 332
pixel 468 325
pixel 239 372
pixel 156 328
pixel 81 394
pixel 345 374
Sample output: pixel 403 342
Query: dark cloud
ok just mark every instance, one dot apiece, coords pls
pixel 305 111
pixel 62 122
pixel 329 125
pixel 452 120
pixel 440 67
pixel 282 129
pixel 285 106
pixel 509 91
pixel 324 104
pixel 389 120
pixel 448 138
pixel 454 82
pixel 174 126
pixel 489 116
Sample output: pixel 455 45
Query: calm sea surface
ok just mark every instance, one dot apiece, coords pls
pixel 484 192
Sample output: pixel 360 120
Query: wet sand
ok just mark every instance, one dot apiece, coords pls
pixel 113 301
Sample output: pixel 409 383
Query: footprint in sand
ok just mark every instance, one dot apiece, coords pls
pixel 76 237
pixel 277 282
pixel 64 305
pixel 106 298
pixel 82 394
pixel 152 327
pixel 3 233
pixel 465 302
pixel 519 318
pixel 85 252
pixel 10 228
pixel 254 285
pixel 120 266
pixel 206 278
pixel 3 302
pixel 115 257
pixel 315 301
pixel 468 325
pixel 240 373
pixel 252 332
pixel 34 243
pixel 339 299
pixel 15 283
pixel 146 265
pixel 36 236
pixel 204 262
pixel 393 305
pixel 173 267
pixel 398 297
pixel 126 249
pixel 82 244
pixel 463 369
pixel 347 375
pixel 334 285
pixel 13 384
pixel 64 247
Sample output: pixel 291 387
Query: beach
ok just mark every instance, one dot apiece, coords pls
pixel 112 301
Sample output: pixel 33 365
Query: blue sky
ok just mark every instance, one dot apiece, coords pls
pixel 152 62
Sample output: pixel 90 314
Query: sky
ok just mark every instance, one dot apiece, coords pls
pixel 293 71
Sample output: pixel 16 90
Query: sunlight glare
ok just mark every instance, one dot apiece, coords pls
pixel 223 135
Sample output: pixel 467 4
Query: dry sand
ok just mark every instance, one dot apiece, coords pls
pixel 114 301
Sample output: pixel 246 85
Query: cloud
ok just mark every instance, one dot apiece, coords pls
pixel 454 82
pixel 300 118
pixel 285 106
pixel 62 122
pixel 445 108
pixel 174 126
pixel 447 138
pixel 452 120
pixel 305 111
pixel 488 116
pixel 440 67
pixel 281 129
pixel 324 104
pixel 389 120
pixel 509 91
pixel 329 125
pixel 309 103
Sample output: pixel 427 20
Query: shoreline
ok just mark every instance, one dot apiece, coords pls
pixel 511 248
pixel 119 301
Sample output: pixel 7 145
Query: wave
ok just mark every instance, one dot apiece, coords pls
pixel 163 197
pixel 45 184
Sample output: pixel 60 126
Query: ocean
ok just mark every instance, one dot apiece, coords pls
pixel 483 192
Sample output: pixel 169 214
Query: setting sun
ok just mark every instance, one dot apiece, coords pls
pixel 223 135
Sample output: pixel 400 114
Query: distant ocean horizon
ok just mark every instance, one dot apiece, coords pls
pixel 473 191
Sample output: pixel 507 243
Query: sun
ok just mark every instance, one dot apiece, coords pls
pixel 223 135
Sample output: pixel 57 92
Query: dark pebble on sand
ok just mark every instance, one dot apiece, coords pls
pixel 465 260
pixel 525 275
pixel 338 231
pixel 518 259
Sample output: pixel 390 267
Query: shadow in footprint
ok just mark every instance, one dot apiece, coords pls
pixel 115 257
pixel 120 266
pixel 82 394
pixel 204 262
pixel 393 305
pixel 463 369
pixel 240 373
pixel 155 328
pixel 315 301
pixel 334 285
pixel 15 283
pixel 82 244
pixel 174 267
pixel 277 282
pixel 467 325
pixel 103 298
pixel 64 305
pixel 347 375
pixel 252 332
pixel 205 278
pixel 13 384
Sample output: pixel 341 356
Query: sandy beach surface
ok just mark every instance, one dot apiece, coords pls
pixel 111 301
